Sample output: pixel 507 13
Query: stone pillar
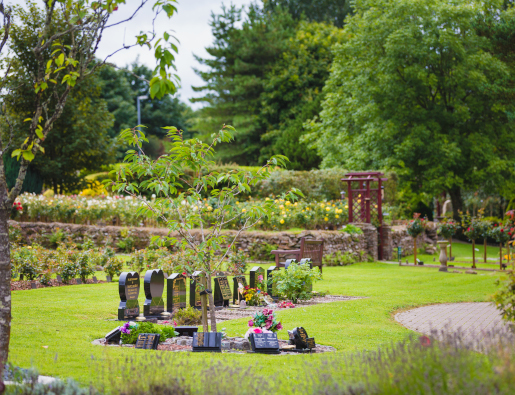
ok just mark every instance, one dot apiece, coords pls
pixel 388 253
pixel 371 238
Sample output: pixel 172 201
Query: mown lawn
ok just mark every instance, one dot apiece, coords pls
pixel 52 328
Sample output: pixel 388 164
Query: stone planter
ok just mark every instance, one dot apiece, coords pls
pixel 443 255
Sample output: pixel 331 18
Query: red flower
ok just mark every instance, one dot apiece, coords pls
pixel 502 230
pixel 425 341
pixel 184 273
pixel 468 230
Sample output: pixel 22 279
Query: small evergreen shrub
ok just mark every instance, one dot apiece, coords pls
pixel 295 282
pixel 188 316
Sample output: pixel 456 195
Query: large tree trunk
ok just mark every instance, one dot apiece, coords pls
pixel 457 202
pixel 5 284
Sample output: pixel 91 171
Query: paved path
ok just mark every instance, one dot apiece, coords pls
pixel 474 319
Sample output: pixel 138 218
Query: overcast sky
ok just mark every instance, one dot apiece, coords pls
pixel 191 26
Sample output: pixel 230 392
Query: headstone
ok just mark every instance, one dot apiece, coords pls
pixel 271 288
pixel 21 277
pixel 186 330
pixel 236 281
pixel 223 293
pixel 257 277
pixel 78 281
pixel 419 262
pixel 306 261
pixel 148 341
pixel 109 279
pixel 95 281
pixel 154 284
pixel 128 288
pixel 311 343
pixel 264 343
pixel 176 296
pixel 289 262
pixel 194 292
pixel 243 304
pixel 113 336
pixel 33 285
pixel 299 338
pixel 59 279
pixel 207 342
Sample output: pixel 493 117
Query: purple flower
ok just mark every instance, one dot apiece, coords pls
pixel 251 323
pixel 279 326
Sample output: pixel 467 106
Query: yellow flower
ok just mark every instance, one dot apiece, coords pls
pixel 337 216
pixel 243 210
pixel 346 206
pixel 267 199
pixel 281 206
pixel 282 221
pixel 209 208
pixel 322 205
pixel 283 212
pixel 287 203
pixel 276 201
pixel 327 208
pixel 237 202
pixel 307 208
pixel 326 219
pixel 295 204
pixel 302 211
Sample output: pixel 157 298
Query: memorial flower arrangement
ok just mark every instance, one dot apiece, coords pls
pixel 416 226
pixel 286 305
pixel 448 229
pixel 501 234
pixel 130 331
pixel 254 296
pixel 264 322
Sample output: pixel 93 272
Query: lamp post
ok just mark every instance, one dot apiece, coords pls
pixel 139 114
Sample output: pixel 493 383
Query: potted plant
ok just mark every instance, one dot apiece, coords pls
pixel 448 229
pixel 415 228
pixel 473 232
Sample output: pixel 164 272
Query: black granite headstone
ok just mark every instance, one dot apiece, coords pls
pixel 299 337
pixel 128 288
pixel 186 330
pixel 109 279
pixel 154 284
pixel 194 291
pixel 236 281
pixel 271 288
pixel 148 341
pixel 113 336
pixel 223 293
pixel 265 343
pixel 33 285
pixel 95 280
pixel 311 343
pixel 176 296
pixel 59 279
pixel 257 277
pixel 78 281
pixel 289 262
pixel 207 342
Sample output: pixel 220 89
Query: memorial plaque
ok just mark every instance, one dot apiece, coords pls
pixel 186 330
pixel 207 342
pixel 299 337
pixel 154 284
pixel 95 281
pixel 223 292
pixel 59 279
pixel 176 296
pixel 271 288
pixel 257 277
pixel 33 285
pixel 128 288
pixel 114 336
pixel 235 283
pixel 148 341
pixel 109 279
pixel 311 343
pixel 78 281
pixel 194 292
pixel 266 343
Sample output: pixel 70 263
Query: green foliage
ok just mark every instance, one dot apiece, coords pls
pixel 422 95
pixel 262 251
pixel 416 226
pixel 25 262
pixel 340 258
pixel 500 234
pixel 295 282
pixel 84 267
pixel 56 237
pixel 504 298
pixel 126 243
pixel 332 11
pixel 237 262
pixel 33 182
pixel 68 270
pixel 352 229
pixel 113 266
pixel 447 229
pixel 188 316
pixel 147 327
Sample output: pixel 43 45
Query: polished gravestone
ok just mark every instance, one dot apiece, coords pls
pixel 207 342
pixel 114 336
pixel 271 288
pixel 223 292
pixel 176 296
pixel 186 330
pixel 265 343
pixel 299 337
pixel 194 291
pixel 154 284
pixel 257 277
pixel 95 280
pixel 148 341
pixel 128 288
pixel 235 284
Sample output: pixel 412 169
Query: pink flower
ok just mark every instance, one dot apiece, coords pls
pixel 174 323
pixel 260 278
pixel 251 323
pixel 279 326
pixel 258 330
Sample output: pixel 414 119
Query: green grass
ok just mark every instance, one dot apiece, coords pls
pixel 67 319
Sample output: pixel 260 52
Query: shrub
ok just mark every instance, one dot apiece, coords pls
pixel 448 229
pixel 126 243
pixel 25 262
pixel 416 226
pixel 188 316
pixel 352 229
pixel 84 268
pixel 262 251
pixel 500 234
pixel 237 262
pixel 68 270
pixel 296 281
pixel 113 266
pixel 135 329
pixel 504 298
pixel 339 258
pixel 56 237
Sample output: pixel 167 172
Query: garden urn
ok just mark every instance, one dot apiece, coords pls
pixel 443 255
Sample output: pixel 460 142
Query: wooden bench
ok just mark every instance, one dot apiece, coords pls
pixel 313 249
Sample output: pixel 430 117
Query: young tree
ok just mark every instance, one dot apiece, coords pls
pixel 415 87
pixel 176 192
pixel 63 55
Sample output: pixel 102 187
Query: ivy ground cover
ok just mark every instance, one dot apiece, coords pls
pixel 52 328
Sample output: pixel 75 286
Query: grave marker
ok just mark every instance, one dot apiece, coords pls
pixel 109 279
pixel 194 292
pixel 271 288
pixel 207 342
pixel 33 285
pixel 235 281
pixel 95 281
pixel 257 277
pixel 153 285
pixel 223 292
pixel 78 281
pixel 128 288
pixel 148 341
pixel 59 279
pixel 176 296
pixel 264 343
pixel 299 337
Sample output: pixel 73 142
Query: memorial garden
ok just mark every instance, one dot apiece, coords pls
pixel 337 217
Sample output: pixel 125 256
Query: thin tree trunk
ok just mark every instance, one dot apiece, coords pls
pixel 500 256
pixel 5 285
pixel 212 309
pixel 203 301
pixel 484 252
pixel 415 244
pixel 473 254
